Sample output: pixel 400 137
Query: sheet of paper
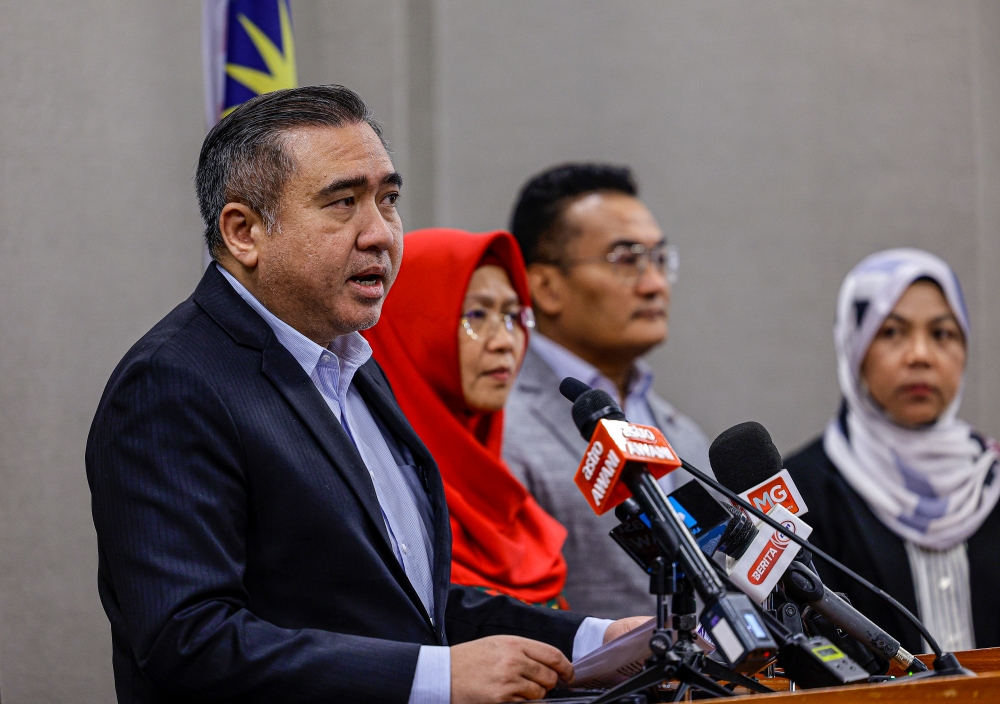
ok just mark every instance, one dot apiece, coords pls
pixel 625 656
pixel 616 661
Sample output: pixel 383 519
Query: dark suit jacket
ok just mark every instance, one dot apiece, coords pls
pixel 845 527
pixel 242 551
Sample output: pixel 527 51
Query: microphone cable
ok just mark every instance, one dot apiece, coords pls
pixel 881 593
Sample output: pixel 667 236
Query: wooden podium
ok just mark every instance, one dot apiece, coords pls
pixel 985 687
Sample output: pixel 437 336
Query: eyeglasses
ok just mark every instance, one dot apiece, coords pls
pixel 479 323
pixel 630 261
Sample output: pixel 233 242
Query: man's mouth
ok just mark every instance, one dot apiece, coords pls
pixel 370 282
pixel 650 313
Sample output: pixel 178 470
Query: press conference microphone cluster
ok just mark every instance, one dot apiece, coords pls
pixel 745 460
pixel 819 660
pixel 609 479
pixel 812 662
pixel 944 663
pixel 624 460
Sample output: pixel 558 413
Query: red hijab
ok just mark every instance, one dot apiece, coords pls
pixel 502 539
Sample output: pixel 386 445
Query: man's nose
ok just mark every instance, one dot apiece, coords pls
pixel 651 281
pixel 375 231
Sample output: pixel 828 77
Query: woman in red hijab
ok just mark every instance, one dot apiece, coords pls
pixel 451 338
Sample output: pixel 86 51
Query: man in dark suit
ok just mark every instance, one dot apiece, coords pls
pixel 269 526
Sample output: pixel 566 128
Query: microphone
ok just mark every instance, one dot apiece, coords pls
pixel 769 554
pixel 705 518
pixel 750 465
pixel 810 661
pixel 804 586
pixel 944 663
pixel 813 662
pixel 622 459
pixel 738 534
pixel 614 443
pixel 743 458
pixel 701 510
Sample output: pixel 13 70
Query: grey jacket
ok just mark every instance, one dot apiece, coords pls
pixel 543 449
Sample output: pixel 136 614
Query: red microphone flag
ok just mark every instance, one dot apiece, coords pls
pixel 613 444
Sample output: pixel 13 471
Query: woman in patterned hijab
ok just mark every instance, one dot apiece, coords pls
pixel 899 488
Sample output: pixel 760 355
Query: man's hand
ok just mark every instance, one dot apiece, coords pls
pixel 623 626
pixel 505 668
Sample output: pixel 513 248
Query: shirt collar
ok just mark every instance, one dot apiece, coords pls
pixel 564 363
pixel 642 379
pixel 350 350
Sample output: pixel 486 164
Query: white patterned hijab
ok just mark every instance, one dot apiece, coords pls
pixel 935 485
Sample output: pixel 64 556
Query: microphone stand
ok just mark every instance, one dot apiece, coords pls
pixel 724 613
pixel 769 608
pixel 679 659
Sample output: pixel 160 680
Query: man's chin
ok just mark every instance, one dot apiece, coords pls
pixel 627 348
pixel 644 337
pixel 361 318
pixel 365 325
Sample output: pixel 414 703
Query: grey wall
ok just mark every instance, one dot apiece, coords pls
pixel 776 142
pixel 100 123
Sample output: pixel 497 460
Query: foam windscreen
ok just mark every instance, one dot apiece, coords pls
pixel 744 456
pixel 572 388
pixel 738 534
pixel 592 406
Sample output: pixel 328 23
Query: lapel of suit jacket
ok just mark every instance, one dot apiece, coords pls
pixel 302 395
pixel 374 387
pixel 663 412
pixel 223 304
pixel 550 407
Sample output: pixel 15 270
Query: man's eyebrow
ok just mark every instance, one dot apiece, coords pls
pixel 342 185
pixel 629 243
pixel 356 182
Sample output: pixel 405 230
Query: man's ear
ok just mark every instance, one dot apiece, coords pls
pixel 547 285
pixel 242 231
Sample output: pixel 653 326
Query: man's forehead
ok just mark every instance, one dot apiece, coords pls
pixel 351 148
pixel 604 218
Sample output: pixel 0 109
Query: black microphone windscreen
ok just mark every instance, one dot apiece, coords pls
pixel 744 456
pixel 592 406
pixel 738 534
pixel 572 388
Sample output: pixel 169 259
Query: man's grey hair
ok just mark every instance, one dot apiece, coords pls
pixel 244 158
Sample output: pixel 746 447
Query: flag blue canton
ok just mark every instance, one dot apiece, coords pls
pixel 259 50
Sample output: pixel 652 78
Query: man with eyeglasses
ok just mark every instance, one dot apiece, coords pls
pixel 600 272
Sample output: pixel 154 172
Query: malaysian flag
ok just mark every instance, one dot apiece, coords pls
pixel 247 50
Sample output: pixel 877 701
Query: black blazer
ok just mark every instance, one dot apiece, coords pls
pixel 242 551
pixel 845 527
